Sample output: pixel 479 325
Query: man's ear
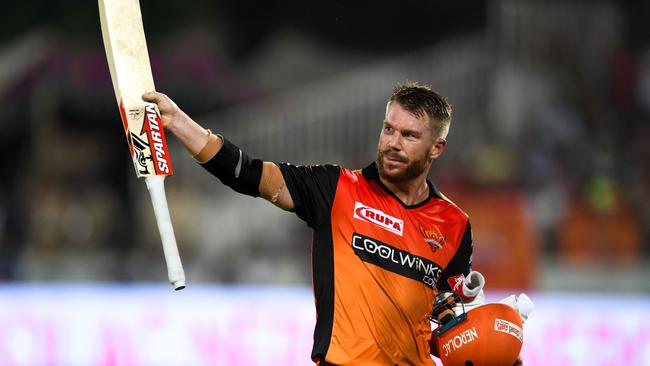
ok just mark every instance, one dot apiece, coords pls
pixel 437 148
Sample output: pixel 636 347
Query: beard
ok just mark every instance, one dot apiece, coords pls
pixel 411 170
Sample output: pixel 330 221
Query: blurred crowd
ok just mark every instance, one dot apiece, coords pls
pixel 560 178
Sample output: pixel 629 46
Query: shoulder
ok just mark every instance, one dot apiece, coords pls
pixel 316 170
pixel 311 167
pixel 355 178
pixel 450 209
pixel 352 174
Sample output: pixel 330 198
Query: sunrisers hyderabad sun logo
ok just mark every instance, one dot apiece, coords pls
pixel 433 237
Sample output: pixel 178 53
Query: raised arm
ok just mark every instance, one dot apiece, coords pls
pixel 204 147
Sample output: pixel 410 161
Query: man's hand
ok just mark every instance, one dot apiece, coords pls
pixel 188 132
pixel 170 114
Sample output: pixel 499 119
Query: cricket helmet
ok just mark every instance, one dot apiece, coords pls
pixel 488 335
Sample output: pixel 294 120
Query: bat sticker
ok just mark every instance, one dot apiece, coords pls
pixel 135 113
pixel 156 137
pixel 141 154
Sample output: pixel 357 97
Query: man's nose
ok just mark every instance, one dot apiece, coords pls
pixel 394 142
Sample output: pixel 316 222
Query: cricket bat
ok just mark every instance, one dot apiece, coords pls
pixel 128 61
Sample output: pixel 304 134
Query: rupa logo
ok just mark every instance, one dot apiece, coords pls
pixel 379 218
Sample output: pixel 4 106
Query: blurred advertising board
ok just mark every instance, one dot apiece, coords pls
pixel 112 325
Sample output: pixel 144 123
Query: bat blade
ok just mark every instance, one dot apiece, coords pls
pixel 128 61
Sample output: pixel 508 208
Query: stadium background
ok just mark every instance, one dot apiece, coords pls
pixel 548 153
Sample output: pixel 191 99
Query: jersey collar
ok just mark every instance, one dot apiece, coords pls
pixel 370 173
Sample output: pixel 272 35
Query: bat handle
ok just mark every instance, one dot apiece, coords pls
pixel 175 272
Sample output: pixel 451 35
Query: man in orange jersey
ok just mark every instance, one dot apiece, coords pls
pixel 385 240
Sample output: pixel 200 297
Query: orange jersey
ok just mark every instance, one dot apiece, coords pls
pixel 377 264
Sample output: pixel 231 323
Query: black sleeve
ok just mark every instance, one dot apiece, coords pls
pixel 460 263
pixel 236 169
pixel 312 189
